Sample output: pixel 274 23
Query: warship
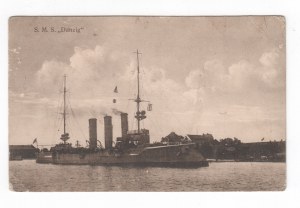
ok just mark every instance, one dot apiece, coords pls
pixel 133 148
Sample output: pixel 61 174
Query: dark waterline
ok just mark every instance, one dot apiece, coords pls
pixel 229 176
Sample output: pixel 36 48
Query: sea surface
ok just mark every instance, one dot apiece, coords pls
pixel 26 175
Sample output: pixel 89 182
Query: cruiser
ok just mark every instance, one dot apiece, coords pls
pixel 132 148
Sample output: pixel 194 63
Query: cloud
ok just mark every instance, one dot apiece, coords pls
pixel 156 80
pixel 92 74
pixel 272 70
pixel 270 58
pixel 209 78
pixel 194 96
pixel 242 76
pixel 268 74
pixel 50 74
pixel 164 92
pixel 238 77
pixel 88 62
pixel 244 90
pixel 194 80
pixel 88 72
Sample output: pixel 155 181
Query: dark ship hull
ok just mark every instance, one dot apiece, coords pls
pixel 181 155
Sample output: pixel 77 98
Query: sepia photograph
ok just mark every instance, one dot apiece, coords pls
pixel 147 103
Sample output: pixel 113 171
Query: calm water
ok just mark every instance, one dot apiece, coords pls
pixel 228 176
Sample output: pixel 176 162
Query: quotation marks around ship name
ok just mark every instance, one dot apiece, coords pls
pixel 50 29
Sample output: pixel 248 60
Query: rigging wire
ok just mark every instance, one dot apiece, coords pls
pixel 55 121
pixel 145 95
pixel 58 120
pixel 75 117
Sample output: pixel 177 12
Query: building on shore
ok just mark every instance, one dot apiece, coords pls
pixel 201 139
pixel 235 149
pixel 22 152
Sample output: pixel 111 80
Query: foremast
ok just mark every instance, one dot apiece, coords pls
pixel 65 136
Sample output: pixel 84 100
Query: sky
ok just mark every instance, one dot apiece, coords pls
pixel 220 75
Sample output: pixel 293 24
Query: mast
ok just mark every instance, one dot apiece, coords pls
pixel 64 113
pixel 138 100
pixel 139 114
pixel 65 135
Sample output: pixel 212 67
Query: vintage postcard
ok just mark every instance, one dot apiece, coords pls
pixel 147 103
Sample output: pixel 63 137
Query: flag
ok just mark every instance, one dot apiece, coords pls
pixel 116 89
pixel 262 139
pixel 34 141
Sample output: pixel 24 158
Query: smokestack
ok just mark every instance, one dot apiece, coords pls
pixel 93 132
pixel 124 124
pixel 108 132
